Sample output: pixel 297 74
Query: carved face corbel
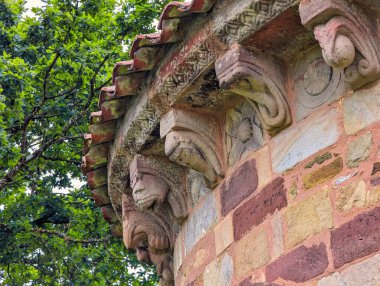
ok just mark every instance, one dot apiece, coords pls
pixel 193 140
pixel 348 38
pixel 156 180
pixel 258 79
pixel 151 235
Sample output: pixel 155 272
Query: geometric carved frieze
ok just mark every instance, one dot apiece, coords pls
pixel 348 38
pixel 194 140
pixel 315 83
pixel 155 181
pixel 260 80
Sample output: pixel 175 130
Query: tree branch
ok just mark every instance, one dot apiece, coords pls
pixel 68 238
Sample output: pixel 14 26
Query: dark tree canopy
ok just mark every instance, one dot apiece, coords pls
pixel 52 67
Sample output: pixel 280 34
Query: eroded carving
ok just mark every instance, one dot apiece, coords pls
pixel 156 180
pixel 243 130
pixel 193 140
pixel 347 36
pixel 151 235
pixel 315 83
pixel 259 79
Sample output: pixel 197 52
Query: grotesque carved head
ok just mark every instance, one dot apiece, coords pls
pixel 148 190
pixel 156 180
pixel 151 235
pixel 194 141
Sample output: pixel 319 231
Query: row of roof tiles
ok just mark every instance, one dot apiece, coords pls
pixel 127 78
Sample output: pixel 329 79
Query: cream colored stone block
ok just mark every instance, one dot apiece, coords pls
pixel 219 272
pixel 224 235
pixel 251 252
pixel 308 217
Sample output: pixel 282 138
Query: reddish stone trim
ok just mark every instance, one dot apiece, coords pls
pixel 356 238
pixel 254 211
pixel 300 265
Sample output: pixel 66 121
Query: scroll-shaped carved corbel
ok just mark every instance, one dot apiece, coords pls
pixel 151 235
pixel 259 79
pixel 156 180
pixel 347 36
pixel 193 140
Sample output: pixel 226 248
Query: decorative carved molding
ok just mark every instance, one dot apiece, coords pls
pixel 315 82
pixel 151 235
pixel 259 79
pixel 156 180
pixel 193 140
pixel 251 16
pixel 347 36
pixel 243 131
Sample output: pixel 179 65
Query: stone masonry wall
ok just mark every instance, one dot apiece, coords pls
pixel 304 209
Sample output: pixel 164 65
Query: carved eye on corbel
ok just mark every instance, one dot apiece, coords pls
pixel 156 180
pixel 193 140
pixel 348 38
pixel 258 79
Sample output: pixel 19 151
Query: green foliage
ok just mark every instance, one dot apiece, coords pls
pixel 52 67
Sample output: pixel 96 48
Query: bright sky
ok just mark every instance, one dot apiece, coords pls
pixel 31 4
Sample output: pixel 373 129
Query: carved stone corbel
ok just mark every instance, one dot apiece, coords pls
pixel 194 140
pixel 347 36
pixel 151 235
pixel 259 79
pixel 156 180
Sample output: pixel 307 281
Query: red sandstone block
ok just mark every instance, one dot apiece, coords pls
pixel 300 265
pixel 240 185
pixel 254 211
pixel 356 238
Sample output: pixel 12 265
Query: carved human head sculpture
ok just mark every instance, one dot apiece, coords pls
pixel 194 141
pixel 156 180
pixel 151 235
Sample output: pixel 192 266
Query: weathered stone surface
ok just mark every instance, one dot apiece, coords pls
pixel 353 195
pixel 358 150
pixel 251 252
pixel 356 238
pixel 375 181
pixel 361 109
pixel 200 221
pixel 341 28
pixel 238 186
pixel 319 159
pixel 193 139
pixel 373 197
pixel 301 141
pixel 247 282
pixel 307 218
pixel 219 272
pixel 323 174
pixel 155 180
pixel 244 132
pixel 258 78
pixel 376 168
pixel 224 234
pixel 254 211
pixel 365 273
pixel 263 165
pixel 197 186
pixel 178 253
pixel 278 236
pixel 300 265
pixel 315 83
